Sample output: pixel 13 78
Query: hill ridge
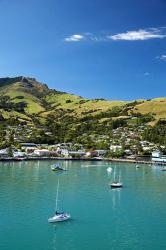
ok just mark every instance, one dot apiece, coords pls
pixel 41 101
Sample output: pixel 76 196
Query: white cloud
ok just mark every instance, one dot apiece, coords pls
pixel 74 38
pixel 141 34
pixel 146 74
pixel 162 57
pixel 84 37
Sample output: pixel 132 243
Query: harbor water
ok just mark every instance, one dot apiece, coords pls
pixel 133 217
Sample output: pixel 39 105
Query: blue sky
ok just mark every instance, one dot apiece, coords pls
pixel 111 49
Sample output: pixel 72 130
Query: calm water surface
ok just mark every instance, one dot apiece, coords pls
pixel 130 218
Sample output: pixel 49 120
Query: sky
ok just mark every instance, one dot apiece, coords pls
pixel 112 49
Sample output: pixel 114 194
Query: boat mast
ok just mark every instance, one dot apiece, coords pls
pixel 114 172
pixel 119 176
pixel 57 196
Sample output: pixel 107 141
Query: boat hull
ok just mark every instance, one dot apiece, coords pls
pixel 57 169
pixel 116 185
pixel 59 218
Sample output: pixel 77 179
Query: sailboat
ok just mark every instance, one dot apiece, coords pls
pixel 116 183
pixel 59 216
pixel 56 167
pixel 109 170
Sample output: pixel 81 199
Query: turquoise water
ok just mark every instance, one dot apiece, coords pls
pixel 130 218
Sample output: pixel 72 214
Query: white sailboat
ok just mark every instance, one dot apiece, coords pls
pixel 116 183
pixel 59 216
pixel 109 170
pixel 57 167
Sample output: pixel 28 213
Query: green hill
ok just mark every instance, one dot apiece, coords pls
pixel 156 106
pixel 24 100
pixel 40 101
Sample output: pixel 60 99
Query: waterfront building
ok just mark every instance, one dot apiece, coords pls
pixel 115 148
pixel 42 152
pixel 157 156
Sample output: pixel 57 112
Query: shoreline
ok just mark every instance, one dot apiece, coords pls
pixel 81 159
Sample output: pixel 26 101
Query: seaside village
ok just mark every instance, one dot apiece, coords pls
pixel 125 143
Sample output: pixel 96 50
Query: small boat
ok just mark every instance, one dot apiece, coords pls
pixel 137 166
pixel 109 170
pixel 164 169
pixel 59 216
pixel 115 183
pixel 56 167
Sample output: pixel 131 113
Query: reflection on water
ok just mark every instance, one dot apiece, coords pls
pixel 91 165
pixel 116 194
pixel 54 237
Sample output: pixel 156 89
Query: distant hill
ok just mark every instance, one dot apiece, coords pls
pixel 28 100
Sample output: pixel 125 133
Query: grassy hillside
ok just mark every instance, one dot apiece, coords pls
pixel 79 106
pixel 155 106
pixel 39 102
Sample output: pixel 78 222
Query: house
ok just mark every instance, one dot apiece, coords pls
pixel 63 146
pixel 64 152
pixel 100 152
pixel 4 152
pixel 146 148
pixel 42 152
pixel 91 153
pixel 78 153
pixel 157 156
pixel 128 152
pixel 115 148
pixel 67 153
pixel 30 150
pixel 18 154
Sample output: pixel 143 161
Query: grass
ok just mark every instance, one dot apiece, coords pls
pixel 77 105
pixel 81 105
pixel 7 115
pixel 33 103
pixel 156 106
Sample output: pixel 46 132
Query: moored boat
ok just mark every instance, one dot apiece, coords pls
pixel 116 183
pixel 56 167
pixel 109 170
pixel 59 216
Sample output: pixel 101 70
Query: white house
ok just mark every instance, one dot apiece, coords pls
pixel 115 148
pixel 4 152
pixel 157 156
pixel 146 148
pixel 64 152
pixel 78 153
pixel 18 154
pixel 42 152
pixel 128 152
pixel 67 153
